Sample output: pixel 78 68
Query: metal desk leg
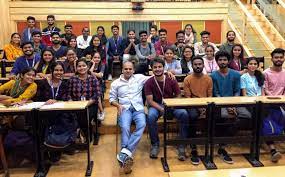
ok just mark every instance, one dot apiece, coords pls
pixel 96 134
pixel 89 162
pixel 164 158
pixel 251 158
pixel 3 158
pixel 208 159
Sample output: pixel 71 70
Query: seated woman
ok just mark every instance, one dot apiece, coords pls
pixel 84 86
pixel 238 61
pixel 188 53
pixel 95 46
pixel 43 67
pixel 171 64
pixel 69 63
pixel 97 69
pixel 210 64
pixel 19 91
pixel 72 43
pixel 13 50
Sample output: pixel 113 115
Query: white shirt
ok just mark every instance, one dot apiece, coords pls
pixel 128 92
pixel 199 48
pixel 81 43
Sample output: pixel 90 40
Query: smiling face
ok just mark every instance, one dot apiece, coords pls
pixel 31 23
pixel 188 30
pixel 96 58
pixel 115 31
pixel 237 51
pixel 205 38
pixel 16 39
pixel 100 31
pixel 209 52
pixel 47 56
pixel 158 69
pixel 68 30
pixel 28 50
pixel 153 32
pixel 82 68
pixel 96 41
pixel 143 37
pixel 162 36
pixel 278 59
pixel 131 35
pixel 29 77
pixel 128 69
pixel 70 55
pixel 50 21
pixel 180 37
pixel 223 62
pixel 37 38
pixel 252 65
pixel 168 55
pixel 231 36
pixel 72 43
pixel 188 54
pixel 58 72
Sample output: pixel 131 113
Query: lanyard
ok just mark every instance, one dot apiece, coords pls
pixel 211 66
pixel 161 91
pixel 116 44
pixel 238 64
pixel 32 64
pixel 54 95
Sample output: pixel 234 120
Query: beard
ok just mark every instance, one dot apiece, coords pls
pixel 231 40
pixel 278 64
pixel 158 74
pixel 56 42
pixel 198 70
pixel 29 53
pixel 223 66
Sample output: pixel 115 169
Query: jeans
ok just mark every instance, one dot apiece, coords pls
pixel 153 114
pixel 130 140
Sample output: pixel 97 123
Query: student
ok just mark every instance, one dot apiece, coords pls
pixel 95 46
pixel 145 52
pixel 199 47
pixel 83 40
pixel 197 85
pixel 13 50
pixel 157 88
pixel 37 44
pixel 228 46
pixel 226 83
pixel 238 61
pixel 72 43
pixel 252 82
pixel 186 63
pixel 43 67
pixel 190 35
pixel 274 85
pixel 67 35
pixel 179 45
pixel 129 47
pixel 153 37
pixel 20 90
pixel 28 60
pixel 162 44
pixel 51 28
pixel 171 64
pixel 97 69
pixel 209 60
pixel 58 50
pixel 101 35
pixel 28 31
pixel 70 62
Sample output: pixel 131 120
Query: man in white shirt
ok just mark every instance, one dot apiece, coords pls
pixel 83 40
pixel 126 95
pixel 200 47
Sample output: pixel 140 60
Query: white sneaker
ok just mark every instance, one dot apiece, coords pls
pixel 110 77
pixel 101 116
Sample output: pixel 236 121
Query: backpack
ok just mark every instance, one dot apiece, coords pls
pixel 272 124
pixel 63 132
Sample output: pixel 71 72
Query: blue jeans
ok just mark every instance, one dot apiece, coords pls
pixel 130 140
pixel 153 114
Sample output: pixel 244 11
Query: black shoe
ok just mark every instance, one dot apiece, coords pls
pixel 194 157
pixel 275 156
pixel 225 156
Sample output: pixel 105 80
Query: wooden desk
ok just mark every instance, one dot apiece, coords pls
pixel 184 102
pixel 269 100
pixel 277 171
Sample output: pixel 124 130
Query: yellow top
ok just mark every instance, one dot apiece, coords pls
pixel 28 94
pixel 12 52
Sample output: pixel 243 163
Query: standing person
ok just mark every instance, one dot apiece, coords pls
pixel 197 85
pixel 51 28
pixel 199 47
pixel 43 67
pixel 20 90
pixel 179 45
pixel 58 50
pixel 145 52
pixel 226 83
pixel 209 60
pixel 83 40
pixel 171 64
pixel 67 35
pixel 238 61
pixel 190 35
pixel 228 46
pixel 101 35
pixel 162 44
pixel 37 42
pixel 13 50
pixel 129 45
pixel 153 37
pixel 28 31
pixel 130 107
pixel 97 69
pixel 115 49
pixel 28 60
pixel 95 46
pixel 156 89
pixel 274 85
pixel 186 64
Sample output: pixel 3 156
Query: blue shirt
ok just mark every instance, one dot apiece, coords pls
pixel 250 84
pixel 61 52
pixel 22 63
pixel 226 85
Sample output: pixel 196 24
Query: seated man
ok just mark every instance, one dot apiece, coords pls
pixel 226 83
pixel 200 47
pixel 157 88
pixel 197 85
pixel 126 95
